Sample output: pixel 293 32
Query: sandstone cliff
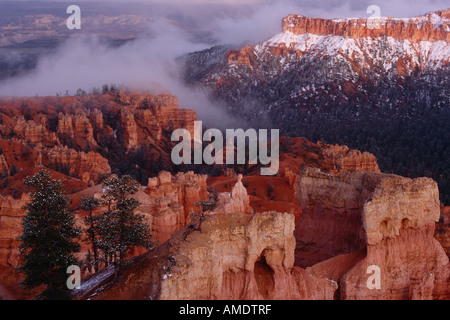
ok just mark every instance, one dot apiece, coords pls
pixel 33 132
pixel 442 233
pixel 78 129
pixel 345 219
pixel 431 27
pixel 369 219
pixel 91 136
pixel 11 214
pixel 345 159
pixel 423 41
pixel 88 166
pixel 171 201
pixel 235 201
pixel 235 257
pixel 299 153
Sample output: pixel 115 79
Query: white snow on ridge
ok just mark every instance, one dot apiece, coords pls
pixel 383 50
pixel 436 20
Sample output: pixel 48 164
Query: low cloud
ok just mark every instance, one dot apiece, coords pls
pixel 142 64
pixel 86 62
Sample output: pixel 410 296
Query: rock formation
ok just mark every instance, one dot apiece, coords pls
pixel 4 168
pixel 91 136
pixel 163 111
pixel 236 256
pixel 299 153
pixel 172 200
pixel 353 41
pixel 146 120
pixel 342 219
pixel 235 201
pixel 33 132
pixel 442 233
pixel 11 214
pixel 77 128
pixel 431 27
pixel 89 166
pixel 366 219
pixel 344 159
pixel 167 201
pixel 129 126
pixel 244 56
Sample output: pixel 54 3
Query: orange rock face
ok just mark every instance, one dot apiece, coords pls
pixel 148 116
pixel 243 56
pixel 90 165
pixel 416 29
pixel 299 153
pixel 78 128
pixel 305 234
pixel 33 132
pixel 166 111
pixel 442 233
pixel 235 257
pixel 11 214
pixel 350 223
pixel 55 131
pixel 171 201
pixel 129 126
pixel 71 135
pixel 344 159
pixel 235 201
pixel 309 37
pixel 367 219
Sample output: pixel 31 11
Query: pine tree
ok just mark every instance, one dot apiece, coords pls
pixel 119 227
pixel 205 206
pixel 47 244
pixel 90 204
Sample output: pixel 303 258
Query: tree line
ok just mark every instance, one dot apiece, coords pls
pixel 50 237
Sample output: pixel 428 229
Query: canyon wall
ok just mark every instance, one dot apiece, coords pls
pixel 171 201
pixel 348 218
pixel 345 159
pixel 431 27
pixel 83 136
pixel 166 204
pixel 88 166
pixel 442 233
pixel 330 224
pixel 236 256
pixel 11 214
pixel 366 219
pixel 423 41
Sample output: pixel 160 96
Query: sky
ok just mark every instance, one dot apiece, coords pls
pixel 322 8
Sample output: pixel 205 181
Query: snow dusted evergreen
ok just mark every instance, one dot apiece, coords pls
pixel 119 228
pixel 90 204
pixel 48 241
pixel 49 238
